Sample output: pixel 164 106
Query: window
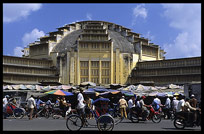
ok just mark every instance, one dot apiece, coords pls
pixel 94 64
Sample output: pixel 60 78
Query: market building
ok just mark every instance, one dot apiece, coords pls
pixel 96 51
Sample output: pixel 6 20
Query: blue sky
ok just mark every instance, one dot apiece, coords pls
pixel 176 28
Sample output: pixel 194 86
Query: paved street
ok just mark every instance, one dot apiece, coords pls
pixel 42 124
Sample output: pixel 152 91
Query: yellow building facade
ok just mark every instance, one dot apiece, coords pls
pixel 96 51
pixel 100 52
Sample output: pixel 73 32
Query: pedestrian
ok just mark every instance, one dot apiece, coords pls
pixel 180 107
pixel 31 106
pixel 123 105
pixel 174 104
pixel 81 105
pixel 167 107
pixel 88 108
pixel 131 105
pixel 5 102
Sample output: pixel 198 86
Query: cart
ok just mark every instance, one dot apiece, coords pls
pixel 104 121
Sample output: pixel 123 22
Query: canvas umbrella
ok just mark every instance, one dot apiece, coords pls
pixel 88 84
pixel 59 92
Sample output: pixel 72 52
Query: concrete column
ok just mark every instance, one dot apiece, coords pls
pixel 100 71
pixel 117 65
pixel 78 69
pixel 72 70
pixel 89 70
pixel 121 69
pixel 60 76
pixel 111 77
pixel 140 59
pixel 68 66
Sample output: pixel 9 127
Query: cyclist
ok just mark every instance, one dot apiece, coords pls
pixel 81 105
pixel 39 102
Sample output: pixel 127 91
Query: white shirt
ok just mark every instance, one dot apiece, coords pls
pixel 5 102
pixel 157 100
pixel 130 103
pixel 180 105
pixel 168 103
pixel 175 104
pixel 31 102
pixel 80 99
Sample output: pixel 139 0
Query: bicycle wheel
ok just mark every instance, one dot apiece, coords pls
pixel 105 123
pixel 117 118
pixel 18 113
pixel 47 114
pixel 156 118
pixel 74 122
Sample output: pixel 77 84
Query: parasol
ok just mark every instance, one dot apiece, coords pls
pixel 59 92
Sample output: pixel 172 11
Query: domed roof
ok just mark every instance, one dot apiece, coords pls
pixel 70 41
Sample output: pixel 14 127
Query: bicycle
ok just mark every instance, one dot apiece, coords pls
pixel 104 121
pixel 115 113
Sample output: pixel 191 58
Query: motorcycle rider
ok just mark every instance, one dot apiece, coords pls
pixel 145 111
pixel 156 103
pixel 131 105
pixel 189 110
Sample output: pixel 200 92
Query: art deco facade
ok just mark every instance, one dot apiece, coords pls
pixel 97 51
pixel 17 70
pixel 177 71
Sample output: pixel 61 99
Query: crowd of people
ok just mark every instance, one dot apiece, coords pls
pixel 130 104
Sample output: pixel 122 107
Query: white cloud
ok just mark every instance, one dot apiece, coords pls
pixel 139 11
pixel 89 16
pixel 32 36
pixel 15 12
pixel 18 52
pixel 187 19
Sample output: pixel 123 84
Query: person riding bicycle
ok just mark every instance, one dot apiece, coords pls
pixel 39 103
pixel 64 105
pixel 81 105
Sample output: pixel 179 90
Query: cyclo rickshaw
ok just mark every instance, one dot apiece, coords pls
pixel 104 121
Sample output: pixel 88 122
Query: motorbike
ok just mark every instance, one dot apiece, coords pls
pixel 153 115
pixel 181 121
